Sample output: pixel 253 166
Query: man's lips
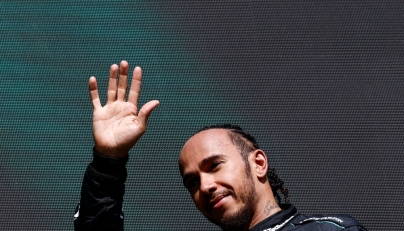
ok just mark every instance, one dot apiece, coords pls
pixel 218 200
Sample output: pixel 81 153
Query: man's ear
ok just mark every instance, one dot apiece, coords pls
pixel 259 163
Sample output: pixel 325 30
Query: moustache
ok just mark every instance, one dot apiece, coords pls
pixel 217 196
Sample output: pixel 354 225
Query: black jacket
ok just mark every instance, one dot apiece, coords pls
pixel 102 193
pixel 103 188
pixel 289 219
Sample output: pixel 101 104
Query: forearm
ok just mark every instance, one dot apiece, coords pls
pixel 102 193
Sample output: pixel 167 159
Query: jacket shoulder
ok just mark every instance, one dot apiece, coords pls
pixel 327 222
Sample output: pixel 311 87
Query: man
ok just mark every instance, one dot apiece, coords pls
pixel 223 168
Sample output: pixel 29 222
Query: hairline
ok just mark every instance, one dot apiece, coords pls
pixel 243 145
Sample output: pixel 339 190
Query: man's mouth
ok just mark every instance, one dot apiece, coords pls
pixel 218 200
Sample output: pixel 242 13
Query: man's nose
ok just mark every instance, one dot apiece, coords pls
pixel 208 184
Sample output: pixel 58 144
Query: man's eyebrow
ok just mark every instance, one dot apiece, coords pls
pixel 201 164
pixel 210 159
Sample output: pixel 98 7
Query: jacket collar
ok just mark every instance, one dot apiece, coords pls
pixel 278 219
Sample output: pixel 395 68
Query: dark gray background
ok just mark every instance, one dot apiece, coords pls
pixel 319 83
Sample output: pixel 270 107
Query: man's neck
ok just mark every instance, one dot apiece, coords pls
pixel 269 209
pixel 266 207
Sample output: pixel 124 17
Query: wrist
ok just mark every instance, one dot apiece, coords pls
pixel 109 165
pixel 111 152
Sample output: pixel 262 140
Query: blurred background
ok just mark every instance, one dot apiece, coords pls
pixel 318 83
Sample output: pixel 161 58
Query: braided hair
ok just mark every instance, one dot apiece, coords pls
pixel 245 144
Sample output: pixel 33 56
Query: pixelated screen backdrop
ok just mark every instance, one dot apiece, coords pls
pixel 318 83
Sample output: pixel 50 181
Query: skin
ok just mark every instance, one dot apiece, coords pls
pixel 214 173
pixel 119 125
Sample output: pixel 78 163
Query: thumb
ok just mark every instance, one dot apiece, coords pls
pixel 146 110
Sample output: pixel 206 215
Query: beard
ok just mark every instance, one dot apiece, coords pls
pixel 241 219
pixel 237 221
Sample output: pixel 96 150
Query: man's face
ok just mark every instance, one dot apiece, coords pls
pixel 215 174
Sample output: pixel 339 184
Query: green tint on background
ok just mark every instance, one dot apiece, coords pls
pixel 48 52
pixel 319 84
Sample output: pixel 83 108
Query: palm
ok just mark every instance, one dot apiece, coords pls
pixel 118 125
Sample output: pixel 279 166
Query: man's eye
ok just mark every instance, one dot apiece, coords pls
pixel 214 165
pixel 192 183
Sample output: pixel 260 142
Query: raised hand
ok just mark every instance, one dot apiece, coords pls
pixel 118 125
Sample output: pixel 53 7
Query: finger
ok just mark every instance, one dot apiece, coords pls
pixel 135 86
pixel 93 89
pixel 146 110
pixel 123 80
pixel 112 84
